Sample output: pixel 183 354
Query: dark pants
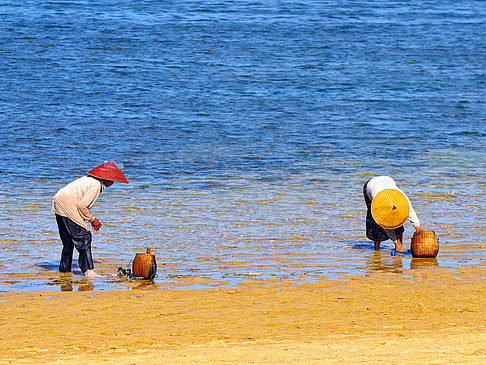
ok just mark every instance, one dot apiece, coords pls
pixel 73 235
pixel 373 231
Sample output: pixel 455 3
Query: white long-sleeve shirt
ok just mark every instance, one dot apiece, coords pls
pixel 379 183
pixel 76 199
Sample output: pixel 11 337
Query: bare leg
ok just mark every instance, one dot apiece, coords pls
pixel 398 243
pixel 377 245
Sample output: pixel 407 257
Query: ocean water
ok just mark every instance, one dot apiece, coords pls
pixel 246 129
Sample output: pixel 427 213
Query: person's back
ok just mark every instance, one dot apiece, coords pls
pixel 379 183
pixel 76 199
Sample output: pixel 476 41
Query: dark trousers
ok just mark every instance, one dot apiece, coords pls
pixel 73 235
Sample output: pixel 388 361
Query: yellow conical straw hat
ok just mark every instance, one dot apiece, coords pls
pixel 390 209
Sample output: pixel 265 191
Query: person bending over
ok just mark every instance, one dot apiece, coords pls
pixel 388 210
pixel 71 206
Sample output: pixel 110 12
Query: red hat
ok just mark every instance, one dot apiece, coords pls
pixel 108 171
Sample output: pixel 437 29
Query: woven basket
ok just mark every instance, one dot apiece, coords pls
pixel 424 244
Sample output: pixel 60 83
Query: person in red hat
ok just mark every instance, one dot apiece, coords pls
pixel 72 205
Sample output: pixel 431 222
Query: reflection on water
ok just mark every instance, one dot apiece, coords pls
pixel 423 263
pixel 73 282
pixel 383 261
pixel 70 282
pixel 379 261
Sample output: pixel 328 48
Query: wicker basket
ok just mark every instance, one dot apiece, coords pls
pixel 424 244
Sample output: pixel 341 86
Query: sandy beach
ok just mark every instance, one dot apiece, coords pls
pixel 433 317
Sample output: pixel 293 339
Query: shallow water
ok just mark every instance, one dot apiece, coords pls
pixel 246 131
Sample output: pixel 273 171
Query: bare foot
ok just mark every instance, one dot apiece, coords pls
pixel 92 274
pixel 398 243
pixel 398 246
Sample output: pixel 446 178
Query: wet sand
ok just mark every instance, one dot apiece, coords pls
pixel 435 316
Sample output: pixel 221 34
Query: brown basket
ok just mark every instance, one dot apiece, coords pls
pixel 424 244
pixel 144 265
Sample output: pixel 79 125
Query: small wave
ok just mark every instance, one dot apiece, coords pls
pixel 445 196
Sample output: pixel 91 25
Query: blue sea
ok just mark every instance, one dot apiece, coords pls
pixel 246 130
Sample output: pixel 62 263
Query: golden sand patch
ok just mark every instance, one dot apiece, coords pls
pixel 432 317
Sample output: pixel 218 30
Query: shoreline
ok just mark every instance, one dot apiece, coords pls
pixel 432 317
pixel 50 280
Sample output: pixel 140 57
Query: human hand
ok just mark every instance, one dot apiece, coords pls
pixel 96 224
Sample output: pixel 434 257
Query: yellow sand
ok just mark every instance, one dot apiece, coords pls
pixel 434 317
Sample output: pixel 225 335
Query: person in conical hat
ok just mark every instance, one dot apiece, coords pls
pixel 388 210
pixel 71 206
